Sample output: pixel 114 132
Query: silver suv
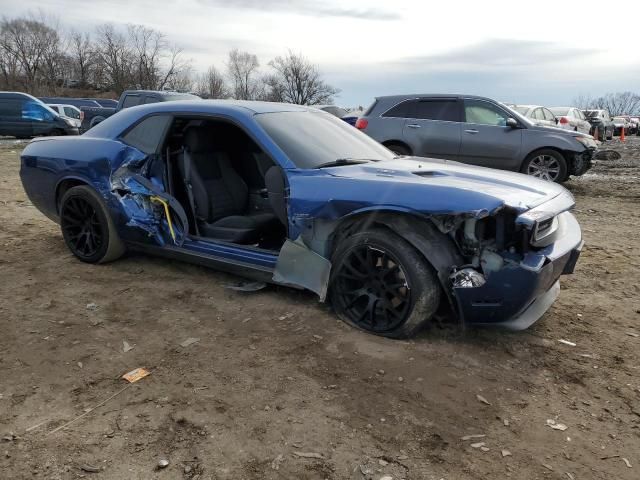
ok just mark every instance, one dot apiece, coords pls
pixel 478 131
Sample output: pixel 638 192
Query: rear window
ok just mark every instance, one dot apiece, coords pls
pixel 147 134
pixel 130 101
pixel 311 139
pixel 11 108
pixel 446 110
pixel 401 110
pixel 521 110
pixel 72 113
pixel 560 111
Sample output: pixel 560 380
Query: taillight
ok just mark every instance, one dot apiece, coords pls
pixel 81 115
pixel 564 120
pixel 362 123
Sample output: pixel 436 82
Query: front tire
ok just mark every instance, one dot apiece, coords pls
pixel 546 164
pixel 381 284
pixel 87 227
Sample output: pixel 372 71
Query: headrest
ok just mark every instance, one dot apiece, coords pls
pixel 199 140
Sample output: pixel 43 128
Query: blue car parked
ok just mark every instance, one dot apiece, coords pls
pixel 295 196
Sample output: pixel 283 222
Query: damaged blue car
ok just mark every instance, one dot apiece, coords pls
pixel 294 196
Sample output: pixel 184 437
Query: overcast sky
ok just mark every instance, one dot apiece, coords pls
pixel 544 52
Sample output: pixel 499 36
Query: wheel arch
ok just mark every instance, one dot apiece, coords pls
pixel 419 231
pixel 66 184
pixel 401 143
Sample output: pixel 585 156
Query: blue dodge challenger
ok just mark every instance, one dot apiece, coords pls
pixel 294 196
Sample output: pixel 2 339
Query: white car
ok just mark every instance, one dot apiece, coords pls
pixel 620 123
pixel 538 114
pixel 571 118
pixel 68 112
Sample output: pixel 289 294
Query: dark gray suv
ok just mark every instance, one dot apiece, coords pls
pixel 478 131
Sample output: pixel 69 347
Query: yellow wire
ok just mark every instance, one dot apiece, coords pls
pixel 166 211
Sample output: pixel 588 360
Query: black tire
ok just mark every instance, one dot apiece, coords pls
pixel 87 227
pixel 399 149
pixel 546 164
pixel 95 121
pixel 381 284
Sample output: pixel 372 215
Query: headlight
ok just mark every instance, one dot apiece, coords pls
pixel 588 142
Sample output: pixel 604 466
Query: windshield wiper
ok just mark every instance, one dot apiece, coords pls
pixel 342 161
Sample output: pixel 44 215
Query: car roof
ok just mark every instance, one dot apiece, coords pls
pixel 431 95
pixel 115 124
pixel 18 95
pixel 218 106
pixel 61 105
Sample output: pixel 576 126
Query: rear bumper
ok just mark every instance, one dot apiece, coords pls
pixel 517 295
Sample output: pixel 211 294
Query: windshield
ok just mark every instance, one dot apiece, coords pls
pixel 560 111
pixel 591 113
pixel 311 139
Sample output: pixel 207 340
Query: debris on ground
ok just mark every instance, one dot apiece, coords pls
pixel 136 374
pixel 189 341
pixel 85 467
pixel 470 437
pixel 126 346
pixel 633 334
pixel 567 342
pixel 92 306
pixel 483 400
pixel 506 453
pixel 556 426
pixel 478 445
pixel 627 462
pixel 246 286
pixel 163 463
pixel 308 455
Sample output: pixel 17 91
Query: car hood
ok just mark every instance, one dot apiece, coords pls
pixel 521 192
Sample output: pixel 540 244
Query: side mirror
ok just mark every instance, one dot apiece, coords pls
pixel 512 122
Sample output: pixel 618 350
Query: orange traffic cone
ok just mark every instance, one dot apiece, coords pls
pixel 622 135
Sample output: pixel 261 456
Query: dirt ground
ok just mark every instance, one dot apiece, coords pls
pixel 277 388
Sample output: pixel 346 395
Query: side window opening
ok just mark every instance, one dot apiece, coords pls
pixel 221 177
pixel 443 110
pixel 484 113
pixel 401 110
pixel 130 101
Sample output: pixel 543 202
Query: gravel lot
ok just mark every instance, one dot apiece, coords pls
pixel 277 388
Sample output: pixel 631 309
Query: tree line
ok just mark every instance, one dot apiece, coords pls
pixel 618 103
pixel 39 57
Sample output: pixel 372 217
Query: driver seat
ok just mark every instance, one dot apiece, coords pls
pixel 219 195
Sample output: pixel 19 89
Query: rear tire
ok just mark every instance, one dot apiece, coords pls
pixel 399 149
pixel 87 227
pixel 381 284
pixel 546 164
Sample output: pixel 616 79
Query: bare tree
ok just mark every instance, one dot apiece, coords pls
pixel 211 84
pixel 28 44
pixel 83 57
pixel 178 72
pixel 117 58
pixel 620 103
pixel 242 68
pixel 584 102
pixel 298 81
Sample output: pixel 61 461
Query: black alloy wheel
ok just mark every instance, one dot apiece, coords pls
pixel 81 227
pixel 87 227
pixel 381 284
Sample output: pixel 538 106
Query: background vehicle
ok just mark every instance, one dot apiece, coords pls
pixel 94 113
pixel 619 123
pixel 68 112
pixel 244 187
pixel 352 116
pixel 478 131
pixel 636 124
pixel 601 120
pixel 131 98
pixel 571 118
pixel 537 114
pixel 24 116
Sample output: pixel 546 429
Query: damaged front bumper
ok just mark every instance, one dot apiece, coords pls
pixel 518 294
